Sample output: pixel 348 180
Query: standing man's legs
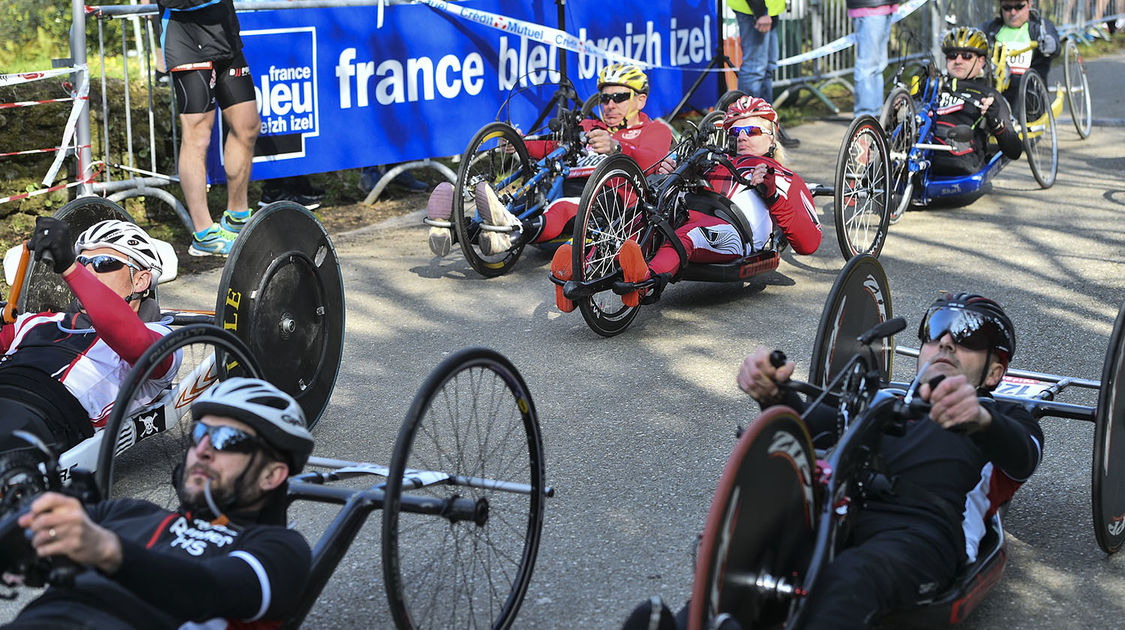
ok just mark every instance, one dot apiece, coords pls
pixel 238 151
pixel 871 35
pixel 753 75
pixel 193 165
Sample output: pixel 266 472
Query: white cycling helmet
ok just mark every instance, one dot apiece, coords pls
pixel 126 238
pixel 273 414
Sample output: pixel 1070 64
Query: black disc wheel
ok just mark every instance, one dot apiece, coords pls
pixel 471 434
pixel 758 538
pixel 496 157
pixel 1077 89
pixel 1108 479
pixel 899 119
pixel 859 299
pixel 862 189
pixel 151 419
pixel 610 212
pixel 1037 129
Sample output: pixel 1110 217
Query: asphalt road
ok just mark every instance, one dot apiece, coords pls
pixel 637 428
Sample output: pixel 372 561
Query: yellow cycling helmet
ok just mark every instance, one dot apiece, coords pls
pixel 967 39
pixel 624 74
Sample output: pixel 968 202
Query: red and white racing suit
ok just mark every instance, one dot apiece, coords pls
pixel 648 142
pixel 90 353
pixel 709 239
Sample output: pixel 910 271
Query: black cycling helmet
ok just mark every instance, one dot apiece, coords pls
pixel 975 322
pixel 273 414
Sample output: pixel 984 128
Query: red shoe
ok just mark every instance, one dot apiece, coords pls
pixel 633 268
pixel 561 268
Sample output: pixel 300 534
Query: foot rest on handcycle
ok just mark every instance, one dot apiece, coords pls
pixel 954 604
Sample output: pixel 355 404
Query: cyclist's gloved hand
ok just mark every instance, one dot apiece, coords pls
pixel 768 188
pixel 52 241
pixel 1048 45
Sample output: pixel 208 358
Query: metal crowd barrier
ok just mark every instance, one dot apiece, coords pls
pixel 805 28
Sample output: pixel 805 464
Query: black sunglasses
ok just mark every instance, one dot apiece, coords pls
pixel 968 329
pixel 1013 7
pixel 967 56
pixel 104 263
pixel 224 438
pixel 619 97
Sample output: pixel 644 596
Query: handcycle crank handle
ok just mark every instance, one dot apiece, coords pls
pixel 778 359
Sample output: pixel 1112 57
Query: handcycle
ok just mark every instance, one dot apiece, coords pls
pixel 908 121
pixel 497 156
pixel 781 509
pixel 620 203
pixel 463 496
pixel 280 294
pixel 1074 89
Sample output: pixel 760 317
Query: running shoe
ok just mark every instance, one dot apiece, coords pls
pixel 439 208
pixel 561 268
pixel 215 242
pixel 633 269
pixel 492 212
pixel 232 223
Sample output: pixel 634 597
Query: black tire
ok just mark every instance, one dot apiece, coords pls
pixel 1077 89
pixel 1107 490
pixel 899 120
pixel 1037 129
pixel 610 211
pixel 473 417
pixel 862 189
pixel 45 290
pixel 589 105
pixel 486 160
pixel 859 299
pixel 727 98
pixel 145 448
pixel 759 528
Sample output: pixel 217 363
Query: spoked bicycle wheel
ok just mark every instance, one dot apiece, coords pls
pixel 1037 129
pixel 473 419
pixel 497 157
pixel 151 419
pixel 862 195
pixel 899 120
pixel 758 537
pixel 610 212
pixel 1077 89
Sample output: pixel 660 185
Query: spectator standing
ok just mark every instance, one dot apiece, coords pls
pixel 757 33
pixel 871 22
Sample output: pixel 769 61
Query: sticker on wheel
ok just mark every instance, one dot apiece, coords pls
pixel 1108 478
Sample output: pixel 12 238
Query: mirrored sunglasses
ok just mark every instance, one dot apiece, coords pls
pixel 749 130
pixel 619 97
pixel 968 329
pixel 224 438
pixel 104 263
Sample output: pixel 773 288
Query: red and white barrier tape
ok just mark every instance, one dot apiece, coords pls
pixel 43 191
pixel 28 77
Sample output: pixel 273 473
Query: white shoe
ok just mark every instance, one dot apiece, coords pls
pixel 440 208
pixel 492 212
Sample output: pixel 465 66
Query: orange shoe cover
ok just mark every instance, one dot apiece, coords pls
pixel 633 268
pixel 561 268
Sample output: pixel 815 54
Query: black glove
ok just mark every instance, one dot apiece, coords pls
pixel 52 243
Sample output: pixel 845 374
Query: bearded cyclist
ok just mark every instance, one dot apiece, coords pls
pixel 224 559
pixel 60 372
pixel 623 128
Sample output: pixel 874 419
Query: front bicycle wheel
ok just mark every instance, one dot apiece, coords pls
pixel 899 120
pixel 1077 89
pixel 610 212
pixel 496 157
pixel 727 98
pixel 862 189
pixel 1037 129
pixel 148 430
pixel 471 432
pixel 758 538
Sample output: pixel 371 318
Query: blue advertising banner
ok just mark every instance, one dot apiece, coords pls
pixel 335 91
